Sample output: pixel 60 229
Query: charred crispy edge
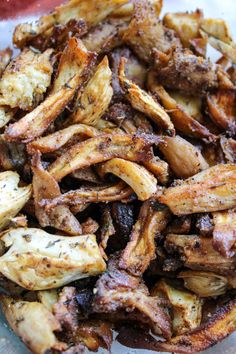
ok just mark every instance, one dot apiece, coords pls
pixel 206 335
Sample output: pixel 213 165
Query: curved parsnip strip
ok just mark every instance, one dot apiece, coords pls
pixel 96 97
pixel 45 186
pixel 24 87
pixel 217 28
pixel 93 12
pixel 186 307
pixel 211 190
pixel 184 158
pixel 159 168
pixel 182 119
pixel 137 177
pixel 100 149
pixel 37 260
pixel 74 63
pixel 219 326
pixel 141 248
pixel 224 232
pixel 113 193
pixel 58 139
pixel 143 102
pixel 33 323
pixel 73 66
pixel 36 122
pixel 12 197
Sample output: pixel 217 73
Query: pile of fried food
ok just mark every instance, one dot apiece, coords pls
pixel 118 179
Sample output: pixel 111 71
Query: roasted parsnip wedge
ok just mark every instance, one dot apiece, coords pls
pixel 183 158
pixel 58 139
pixel 143 102
pixel 100 149
pixel 154 34
pixel 37 260
pixel 228 147
pixel 137 177
pixel 25 87
pixel 119 191
pixel 92 12
pixel 33 323
pixel 204 284
pixel 185 24
pixel 12 197
pixel 217 28
pixel 222 109
pixel 186 307
pixel 95 99
pixel 224 232
pixel 5 57
pixel 159 168
pixel 73 66
pixel 140 250
pixel 198 254
pixel 181 115
pixel 45 187
pixel 218 327
pixel 210 190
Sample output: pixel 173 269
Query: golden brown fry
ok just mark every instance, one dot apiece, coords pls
pixel 154 34
pixel 37 260
pixel 5 57
pixel 210 190
pixel 92 12
pixel 119 191
pixel 182 116
pixel 45 187
pixel 137 177
pixel 33 323
pixel 143 102
pixel 224 232
pixel 204 284
pixel 58 139
pixel 184 159
pixel 37 121
pixel 95 99
pixel 185 24
pixel 25 87
pixel 218 327
pixel 198 254
pixel 217 28
pixel 74 63
pixel 228 50
pixel 186 307
pixel 100 149
pixel 140 250
pixel 159 168
pixel 222 109
pixel 12 197
pixel 73 66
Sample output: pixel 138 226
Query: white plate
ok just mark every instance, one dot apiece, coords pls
pixel 226 9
